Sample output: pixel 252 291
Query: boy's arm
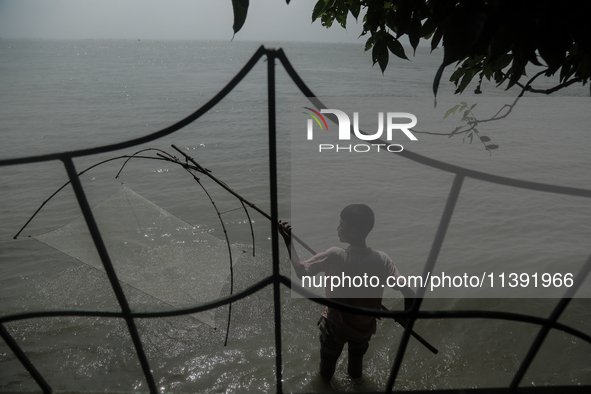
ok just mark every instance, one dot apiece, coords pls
pixel 285 231
pixel 409 298
pixel 407 291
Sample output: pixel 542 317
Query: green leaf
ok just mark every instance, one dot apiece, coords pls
pixel 328 17
pixel 414 33
pixel 457 74
pixel 466 80
pixel 320 8
pixel 428 27
pixel 500 77
pixel 355 8
pixel 380 54
pixel 240 10
pixel 484 139
pixel 488 72
pixel 516 71
pixel 396 47
pixel 341 11
pixel 504 61
pixel 436 37
pixel 372 20
pixel 566 72
pixel 492 146
pixel 584 64
pixel 472 107
pixel 370 42
pixel 470 135
pixel 452 110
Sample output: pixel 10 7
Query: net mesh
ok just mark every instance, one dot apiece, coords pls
pixel 151 250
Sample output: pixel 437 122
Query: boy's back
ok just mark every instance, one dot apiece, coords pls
pixel 361 274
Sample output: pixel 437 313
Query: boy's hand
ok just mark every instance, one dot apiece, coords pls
pixel 284 229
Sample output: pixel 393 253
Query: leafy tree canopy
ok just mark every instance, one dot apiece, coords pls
pixel 492 39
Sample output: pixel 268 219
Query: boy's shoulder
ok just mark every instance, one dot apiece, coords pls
pixel 369 252
pixel 383 256
pixel 340 253
pixel 336 251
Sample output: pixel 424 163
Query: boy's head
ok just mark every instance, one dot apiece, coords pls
pixel 357 220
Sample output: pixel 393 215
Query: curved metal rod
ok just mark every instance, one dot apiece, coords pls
pixel 81 173
pixel 168 158
pixel 229 249
pixel 110 270
pixel 431 315
pixel 423 315
pixel 560 307
pixel 22 357
pixel 142 315
pixel 250 224
pixel 189 169
pixel 153 136
pixel 436 245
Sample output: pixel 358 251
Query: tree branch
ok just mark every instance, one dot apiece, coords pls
pixel 554 89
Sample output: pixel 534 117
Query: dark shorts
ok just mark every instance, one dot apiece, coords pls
pixel 332 341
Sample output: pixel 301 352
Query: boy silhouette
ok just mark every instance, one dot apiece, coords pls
pixel 339 327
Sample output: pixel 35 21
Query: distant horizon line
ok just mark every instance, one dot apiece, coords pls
pixel 421 45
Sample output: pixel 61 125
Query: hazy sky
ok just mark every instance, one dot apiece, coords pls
pixel 268 20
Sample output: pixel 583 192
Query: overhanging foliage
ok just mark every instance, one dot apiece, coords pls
pixel 490 39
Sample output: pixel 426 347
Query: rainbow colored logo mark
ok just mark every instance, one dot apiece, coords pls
pixel 315 118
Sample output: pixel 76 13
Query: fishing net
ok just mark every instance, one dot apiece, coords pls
pixel 151 250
